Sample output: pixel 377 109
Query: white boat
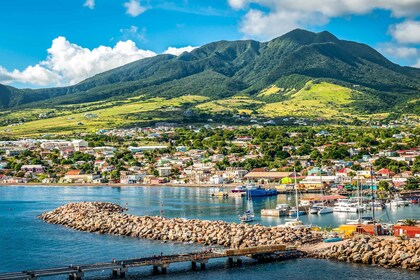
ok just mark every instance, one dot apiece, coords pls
pixel 295 223
pixel 398 202
pixel 282 207
pixel 377 205
pixel 248 215
pixel 314 210
pixel 321 207
pixel 324 210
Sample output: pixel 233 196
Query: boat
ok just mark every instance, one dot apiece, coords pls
pixel 295 223
pixel 294 213
pixel 377 205
pixel 343 205
pixel 259 191
pixel 398 202
pixel 282 207
pixel 255 190
pixel 333 239
pixel 314 209
pixel 324 210
pixel 244 188
pixel 248 215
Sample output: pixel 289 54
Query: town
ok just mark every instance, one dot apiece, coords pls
pixel 325 158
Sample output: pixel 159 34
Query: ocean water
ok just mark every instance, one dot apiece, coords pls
pixel 28 243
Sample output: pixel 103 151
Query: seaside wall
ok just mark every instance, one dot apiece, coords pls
pixel 108 218
pixel 385 252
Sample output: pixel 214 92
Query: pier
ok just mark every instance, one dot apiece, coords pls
pixel 159 264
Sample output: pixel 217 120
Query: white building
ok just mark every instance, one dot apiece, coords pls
pixel 216 179
pixel 79 144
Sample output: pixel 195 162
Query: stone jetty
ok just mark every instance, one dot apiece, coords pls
pixel 108 218
pixel 385 252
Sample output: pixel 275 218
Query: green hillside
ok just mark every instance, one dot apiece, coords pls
pixel 236 77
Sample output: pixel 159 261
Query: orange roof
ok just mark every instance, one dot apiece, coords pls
pixel 74 172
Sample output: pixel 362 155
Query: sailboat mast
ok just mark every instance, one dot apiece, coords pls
pixel 296 196
pixel 373 200
pixel 359 213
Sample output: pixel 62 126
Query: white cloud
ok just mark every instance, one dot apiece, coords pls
pixel 133 33
pixel 269 18
pixel 36 75
pixel 403 54
pixel 398 51
pixel 134 8
pixel 90 4
pixel 69 63
pixel 237 4
pixel 178 51
pixel 406 32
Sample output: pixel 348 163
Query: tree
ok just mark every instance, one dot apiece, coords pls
pixel 416 165
pixel 383 186
pixel 315 154
pixel 412 183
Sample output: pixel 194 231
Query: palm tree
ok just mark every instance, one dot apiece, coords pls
pixel 409 222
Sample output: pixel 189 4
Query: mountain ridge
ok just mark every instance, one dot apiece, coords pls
pixel 225 68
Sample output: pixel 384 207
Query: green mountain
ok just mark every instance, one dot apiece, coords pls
pixel 223 69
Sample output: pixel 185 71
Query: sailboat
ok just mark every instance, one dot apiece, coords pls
pixel 321 208
pixel 358 208
pixel 248 215
pixel 295 223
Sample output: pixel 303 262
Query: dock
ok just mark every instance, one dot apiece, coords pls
pixel 274 213
pixel 119 269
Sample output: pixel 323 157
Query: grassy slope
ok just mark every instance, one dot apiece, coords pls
pixel 323 99
pixel 241 103
pixel 313 100
pixel 125 113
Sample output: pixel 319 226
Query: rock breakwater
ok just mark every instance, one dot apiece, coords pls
pixel 371 250
pixel 108 218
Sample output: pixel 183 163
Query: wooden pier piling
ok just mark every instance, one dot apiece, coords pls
pixel 160 264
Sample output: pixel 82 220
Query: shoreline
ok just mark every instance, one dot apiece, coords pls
pixel 109 218
pixel 113 185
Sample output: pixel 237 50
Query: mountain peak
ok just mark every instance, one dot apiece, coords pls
pixel 306 37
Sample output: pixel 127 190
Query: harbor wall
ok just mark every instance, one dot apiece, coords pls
pixel 108 218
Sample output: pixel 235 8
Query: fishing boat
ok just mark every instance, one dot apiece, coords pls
pixel 248 215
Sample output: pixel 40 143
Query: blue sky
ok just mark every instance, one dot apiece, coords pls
pixel 61 42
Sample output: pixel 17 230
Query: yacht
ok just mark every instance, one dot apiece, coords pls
pixel 397 202
pixel 343 205
pixel 324 210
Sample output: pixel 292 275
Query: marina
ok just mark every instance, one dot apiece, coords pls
pixel 21 205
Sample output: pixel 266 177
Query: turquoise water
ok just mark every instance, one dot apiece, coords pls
pixel 28 243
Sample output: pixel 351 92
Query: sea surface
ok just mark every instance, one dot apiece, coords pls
pixel 28 243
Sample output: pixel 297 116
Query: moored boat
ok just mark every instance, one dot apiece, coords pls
pixel 248 215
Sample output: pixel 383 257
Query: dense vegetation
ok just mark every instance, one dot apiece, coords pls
pixel 223 69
